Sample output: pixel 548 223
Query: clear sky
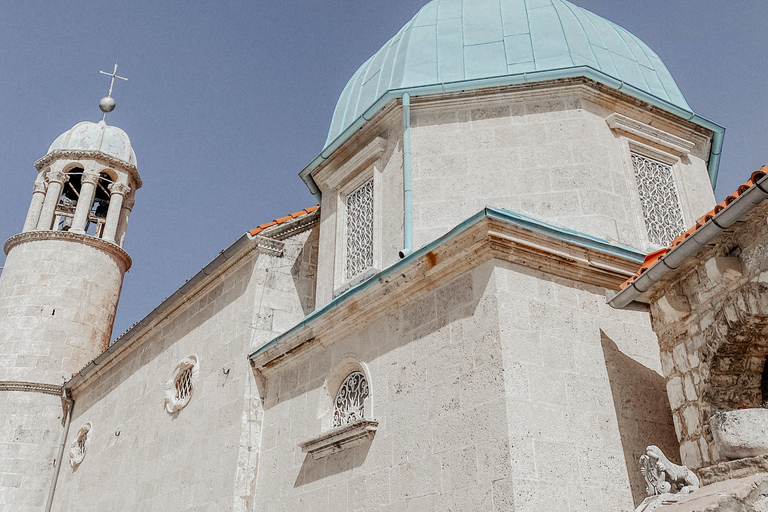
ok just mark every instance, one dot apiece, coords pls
pixel 228 100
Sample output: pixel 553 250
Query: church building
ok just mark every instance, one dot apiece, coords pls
pixel 446 330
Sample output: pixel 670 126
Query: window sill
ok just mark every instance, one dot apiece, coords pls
pixel 340 438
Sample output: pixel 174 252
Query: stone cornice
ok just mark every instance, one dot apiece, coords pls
pixel 79 154
pixel 97 243
pixel 33 387
pixel 491 234
pixel 672 143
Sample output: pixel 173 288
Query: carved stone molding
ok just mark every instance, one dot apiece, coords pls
pixel 77 154
pixel 57 176
pixel 39 186
pixel 676 145
pixel 98 243
pixel 33 387
pixel 340 438
pixel 91 177
pixel 119 188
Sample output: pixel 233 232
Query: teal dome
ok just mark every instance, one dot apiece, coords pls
pixel 462 42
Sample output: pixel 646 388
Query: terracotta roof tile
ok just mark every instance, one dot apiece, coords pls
pixel 261 227
pixel 654 257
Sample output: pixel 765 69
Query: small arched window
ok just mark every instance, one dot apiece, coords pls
pixel 180 387
pixel 70 194
pixel 98 214
pixel 349 405
pixel 80 445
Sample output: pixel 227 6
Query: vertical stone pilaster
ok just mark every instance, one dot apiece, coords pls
pixel 122 225
pixel 56 180
pixel 36 206
pixel 84 203
pixel 115 209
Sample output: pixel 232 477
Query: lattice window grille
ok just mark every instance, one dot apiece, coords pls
pixel 359 242
pixel 81 442
pixel 184 385
pixel 349 405
pixel 658 196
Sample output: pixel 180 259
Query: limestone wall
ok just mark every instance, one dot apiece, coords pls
pixel 499 390
pixel 57 303
pixel 712 321
pixel 29 438
pixel 58 299
pixel 201 457
pixel 548 153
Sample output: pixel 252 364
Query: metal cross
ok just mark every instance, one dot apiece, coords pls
pixel 114 75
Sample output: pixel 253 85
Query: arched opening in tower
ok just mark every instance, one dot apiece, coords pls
pixel 98 214
pixel 70 194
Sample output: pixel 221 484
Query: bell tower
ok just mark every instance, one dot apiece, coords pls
pixel 59 291
pixel 63 273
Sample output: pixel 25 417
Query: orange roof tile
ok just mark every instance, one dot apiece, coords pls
pixel 258 229
pixel 654 257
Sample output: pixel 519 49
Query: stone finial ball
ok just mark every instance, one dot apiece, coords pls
pixel 107 104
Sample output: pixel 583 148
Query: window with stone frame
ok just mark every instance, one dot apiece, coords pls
pixel 179 389
pixel 79 446
pixel 359 230
pixel 349 405
pixel 659 199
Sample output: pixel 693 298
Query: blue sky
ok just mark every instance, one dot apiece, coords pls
pixel 227 101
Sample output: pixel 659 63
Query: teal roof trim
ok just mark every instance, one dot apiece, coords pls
pixel 564 234
pixel 450 41
pixel 536 76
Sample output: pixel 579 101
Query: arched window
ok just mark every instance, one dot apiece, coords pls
pixel 98 214
pixel 70 194
pixel 80 445
pixel 349 405
pixel 180 387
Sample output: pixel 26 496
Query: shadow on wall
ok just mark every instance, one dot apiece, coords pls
pixel 642 411
pixel 313 470
pixel 304 272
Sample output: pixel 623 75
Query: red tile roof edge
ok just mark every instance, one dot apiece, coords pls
pixel 282 220
pixel 654 257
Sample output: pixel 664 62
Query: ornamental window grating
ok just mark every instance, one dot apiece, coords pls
pixel 658 196
pixel 349 405
pixel 359 242
pixel 184 385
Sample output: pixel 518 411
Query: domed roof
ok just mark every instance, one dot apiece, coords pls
pixel 96 137
pixel 461 41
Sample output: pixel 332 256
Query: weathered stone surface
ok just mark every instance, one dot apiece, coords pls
pixel 741 433
pixel 749 494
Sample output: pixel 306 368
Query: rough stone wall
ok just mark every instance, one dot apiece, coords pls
pixel 501 390
pixel 202 457
pixel 552 157
pixel 712 322
pixel 57 304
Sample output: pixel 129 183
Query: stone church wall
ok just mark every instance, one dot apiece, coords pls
pixel 550 155
pixel 140 457
pixel 503 389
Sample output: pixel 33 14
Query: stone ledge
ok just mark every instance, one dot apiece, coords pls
pixel 738 468
pixel 98 243
pixel 339 438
